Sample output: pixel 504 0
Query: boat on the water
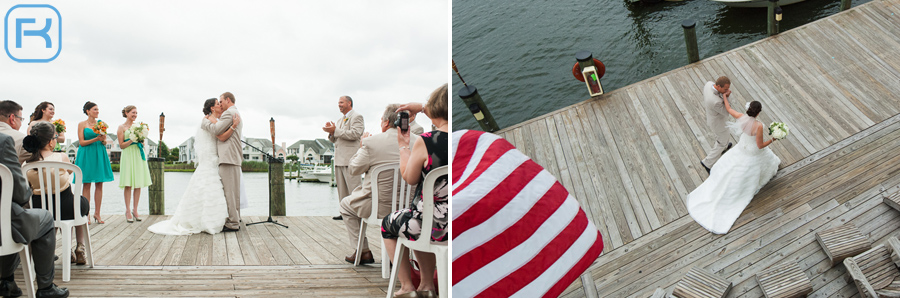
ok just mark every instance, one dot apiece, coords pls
pixel 754 3
pixel 323 174
pixel 309 173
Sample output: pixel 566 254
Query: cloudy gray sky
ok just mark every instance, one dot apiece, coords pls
pixel 287 60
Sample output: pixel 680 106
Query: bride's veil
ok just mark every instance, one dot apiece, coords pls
pixel 743 125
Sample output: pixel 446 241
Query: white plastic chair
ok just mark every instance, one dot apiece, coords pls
pixel 48 171
pixel 439 249
pixel 7 245
pixel 397 196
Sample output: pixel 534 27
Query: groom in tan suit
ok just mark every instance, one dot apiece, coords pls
pixel 230 158
pixel 716 116
pixel 345 135
pixel 374 151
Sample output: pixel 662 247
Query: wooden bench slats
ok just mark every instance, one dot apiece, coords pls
pixel 700 283
pixel 842 242
pixel 784 280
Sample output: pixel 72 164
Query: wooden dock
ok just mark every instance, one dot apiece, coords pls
pixel 632 155
pixel 306 259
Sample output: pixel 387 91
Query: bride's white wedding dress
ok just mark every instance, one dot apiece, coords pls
pixel 733 181
pixel 202 207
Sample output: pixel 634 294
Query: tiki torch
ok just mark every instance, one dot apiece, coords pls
pixel 272 130
pixel 162 128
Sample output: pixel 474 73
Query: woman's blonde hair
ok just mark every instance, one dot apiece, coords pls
pixel 127 109
pixel 437 103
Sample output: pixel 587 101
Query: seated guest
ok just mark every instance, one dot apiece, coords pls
pixel 428 153
pixel 374 151
pixel 29 226
pixel 40 143
pixel 10 122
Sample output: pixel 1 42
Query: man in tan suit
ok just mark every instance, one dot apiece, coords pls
pixel 345 136
pixel 10 123
pixel 377 150
pixel 230 158
pixel 716 116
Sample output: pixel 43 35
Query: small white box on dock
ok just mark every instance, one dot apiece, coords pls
pixel 592 80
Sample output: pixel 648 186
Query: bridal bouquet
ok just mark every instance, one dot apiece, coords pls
pixel 778 130
pixel 60 125
pixel 138 132
pixel 100 127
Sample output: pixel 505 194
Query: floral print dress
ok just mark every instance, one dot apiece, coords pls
pixel 408 222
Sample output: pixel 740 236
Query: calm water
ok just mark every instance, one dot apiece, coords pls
pixel 520 53
pixel 301 199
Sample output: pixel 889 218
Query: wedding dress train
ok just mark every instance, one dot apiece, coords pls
pixel 733 181
pixel 202 207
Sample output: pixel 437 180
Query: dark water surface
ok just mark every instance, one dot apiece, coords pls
pixel 520 53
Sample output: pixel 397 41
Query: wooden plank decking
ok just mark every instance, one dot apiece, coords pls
pixel 631 157
pixel 306 259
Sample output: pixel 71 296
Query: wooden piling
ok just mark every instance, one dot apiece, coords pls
pixel 845 5
pixel 770 16
pixel 157 189
pixel 276 187
pixel 473 101
pixel 690 40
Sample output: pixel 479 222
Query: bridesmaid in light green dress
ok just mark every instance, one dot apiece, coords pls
pixel 134 173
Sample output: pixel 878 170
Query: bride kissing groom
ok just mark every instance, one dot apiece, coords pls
pixel 211 203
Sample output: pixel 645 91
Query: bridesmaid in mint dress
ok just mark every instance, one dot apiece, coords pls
pixel 92 158
pixel 134 173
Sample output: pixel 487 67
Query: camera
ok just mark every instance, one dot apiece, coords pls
pixel 402 121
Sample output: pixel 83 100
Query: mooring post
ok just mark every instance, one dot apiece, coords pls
pixel 157 189
pixel 470 97
pixel 690 40
pixel 770 17
pixel 276 187
pixel 845 5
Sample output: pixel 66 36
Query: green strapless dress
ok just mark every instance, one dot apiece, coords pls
pixel 133 169
pixel 93 160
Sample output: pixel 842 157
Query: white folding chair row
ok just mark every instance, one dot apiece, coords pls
pixel 48 173
pixel 398 193
pixel 424 244
pixel 7 245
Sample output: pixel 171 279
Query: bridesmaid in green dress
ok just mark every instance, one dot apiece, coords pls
pixel 134 173
pixel 92 158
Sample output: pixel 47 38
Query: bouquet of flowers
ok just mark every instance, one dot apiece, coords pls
pixel 138 132
pixel 778 130
pixel 100 127
pixel 60 125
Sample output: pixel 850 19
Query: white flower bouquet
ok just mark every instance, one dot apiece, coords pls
pixel 138 132
pixel 778 130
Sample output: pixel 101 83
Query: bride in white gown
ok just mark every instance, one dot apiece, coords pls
pixel 736 177
pixel 202 207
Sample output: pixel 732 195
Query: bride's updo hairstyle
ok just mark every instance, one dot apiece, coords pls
pixel 207 106
pixel 754 109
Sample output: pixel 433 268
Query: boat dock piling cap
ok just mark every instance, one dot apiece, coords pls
pixel 688 24
pixel 583 56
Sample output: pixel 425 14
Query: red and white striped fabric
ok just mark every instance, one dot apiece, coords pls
pixel 516 231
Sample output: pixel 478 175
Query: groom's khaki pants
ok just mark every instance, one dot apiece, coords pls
pixel 231 181
pixel 719 145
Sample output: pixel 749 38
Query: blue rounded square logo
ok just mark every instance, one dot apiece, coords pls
pixel 33 33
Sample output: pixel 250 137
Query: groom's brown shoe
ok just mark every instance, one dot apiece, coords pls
pixel 365 258
pixel 704 166
pixel 227 229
